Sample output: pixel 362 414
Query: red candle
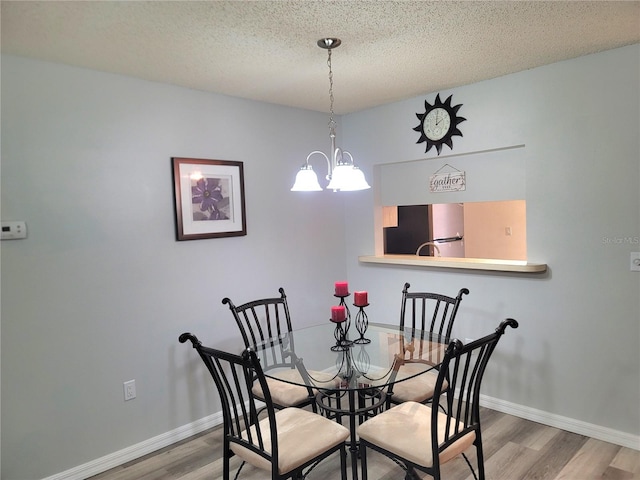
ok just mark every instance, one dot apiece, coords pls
pixel 342 289
pixel 338 314
pixel 360 299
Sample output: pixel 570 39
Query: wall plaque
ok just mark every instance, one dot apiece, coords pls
pixel 447 182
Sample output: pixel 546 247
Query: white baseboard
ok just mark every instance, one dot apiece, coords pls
pixel 125 455
pixel 128 454
pixel 564 423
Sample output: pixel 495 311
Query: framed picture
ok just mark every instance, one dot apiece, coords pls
pixel 209 198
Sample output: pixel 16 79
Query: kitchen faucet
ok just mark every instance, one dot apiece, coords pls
pixel 435 247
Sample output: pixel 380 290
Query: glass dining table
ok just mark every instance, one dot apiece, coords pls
pixel 351 374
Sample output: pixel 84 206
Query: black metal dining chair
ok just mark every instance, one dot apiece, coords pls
pixel 437 435
pixel 267 321
pixel 286 441
pixel 429 314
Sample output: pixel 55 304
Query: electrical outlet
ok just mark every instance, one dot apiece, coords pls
pixel 129 390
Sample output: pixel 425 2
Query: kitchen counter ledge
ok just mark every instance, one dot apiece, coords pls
pixel 457 263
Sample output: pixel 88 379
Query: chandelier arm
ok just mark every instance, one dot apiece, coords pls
pixel 329 170
pixel 344 152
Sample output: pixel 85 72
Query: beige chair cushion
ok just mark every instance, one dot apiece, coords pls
pixel 287 394
pixel 405 430
pixel 282 392
pixel 417 389
pixel 302 436
pixel 425 350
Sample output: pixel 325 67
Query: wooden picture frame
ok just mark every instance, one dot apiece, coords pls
pixel 209 198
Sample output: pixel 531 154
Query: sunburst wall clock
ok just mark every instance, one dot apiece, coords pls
pixel 439 123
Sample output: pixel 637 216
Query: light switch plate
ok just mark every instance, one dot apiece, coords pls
pixel 635 262
pixel 14 230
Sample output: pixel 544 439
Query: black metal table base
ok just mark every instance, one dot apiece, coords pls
pixel 360 405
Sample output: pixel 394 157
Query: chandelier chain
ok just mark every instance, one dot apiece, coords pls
pixel 332 123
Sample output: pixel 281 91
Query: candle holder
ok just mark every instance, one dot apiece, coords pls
pixel 340 335
pixel 363 362
pixel 344 364
pixel 362 323
pixel 344 304
pixel 342 329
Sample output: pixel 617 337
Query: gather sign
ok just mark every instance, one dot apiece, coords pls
pixel 447 182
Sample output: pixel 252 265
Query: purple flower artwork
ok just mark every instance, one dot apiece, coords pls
pixel 210 199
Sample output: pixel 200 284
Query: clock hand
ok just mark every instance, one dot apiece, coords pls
pixel 443 118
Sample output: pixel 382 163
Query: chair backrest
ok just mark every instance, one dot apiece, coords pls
pixel 457 389
pixel 234 376
pixel 261 320
pixel 266 322
pixel 430 312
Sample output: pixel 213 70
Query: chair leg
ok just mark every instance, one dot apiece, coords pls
pixel 363 460
pixel 413 475
pixel 473 472
pixel 238 471
pixel 226 468
pixel 480 455
pixel 343 462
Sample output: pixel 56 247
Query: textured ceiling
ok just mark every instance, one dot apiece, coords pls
pixel 266 50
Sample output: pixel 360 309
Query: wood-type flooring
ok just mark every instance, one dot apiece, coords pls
pixel 515 449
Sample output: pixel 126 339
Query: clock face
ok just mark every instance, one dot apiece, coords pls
pixel 438 124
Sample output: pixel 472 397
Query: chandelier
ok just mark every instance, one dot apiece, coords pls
pixel 342 174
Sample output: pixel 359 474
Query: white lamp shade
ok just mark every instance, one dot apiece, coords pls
pixel 306 180
pixel 356 181
pixel 347 178
pixel 340 177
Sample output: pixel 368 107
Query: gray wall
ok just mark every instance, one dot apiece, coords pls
pixel 575 356
pixel 100 290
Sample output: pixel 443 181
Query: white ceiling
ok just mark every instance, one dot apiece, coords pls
pixel 266 50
